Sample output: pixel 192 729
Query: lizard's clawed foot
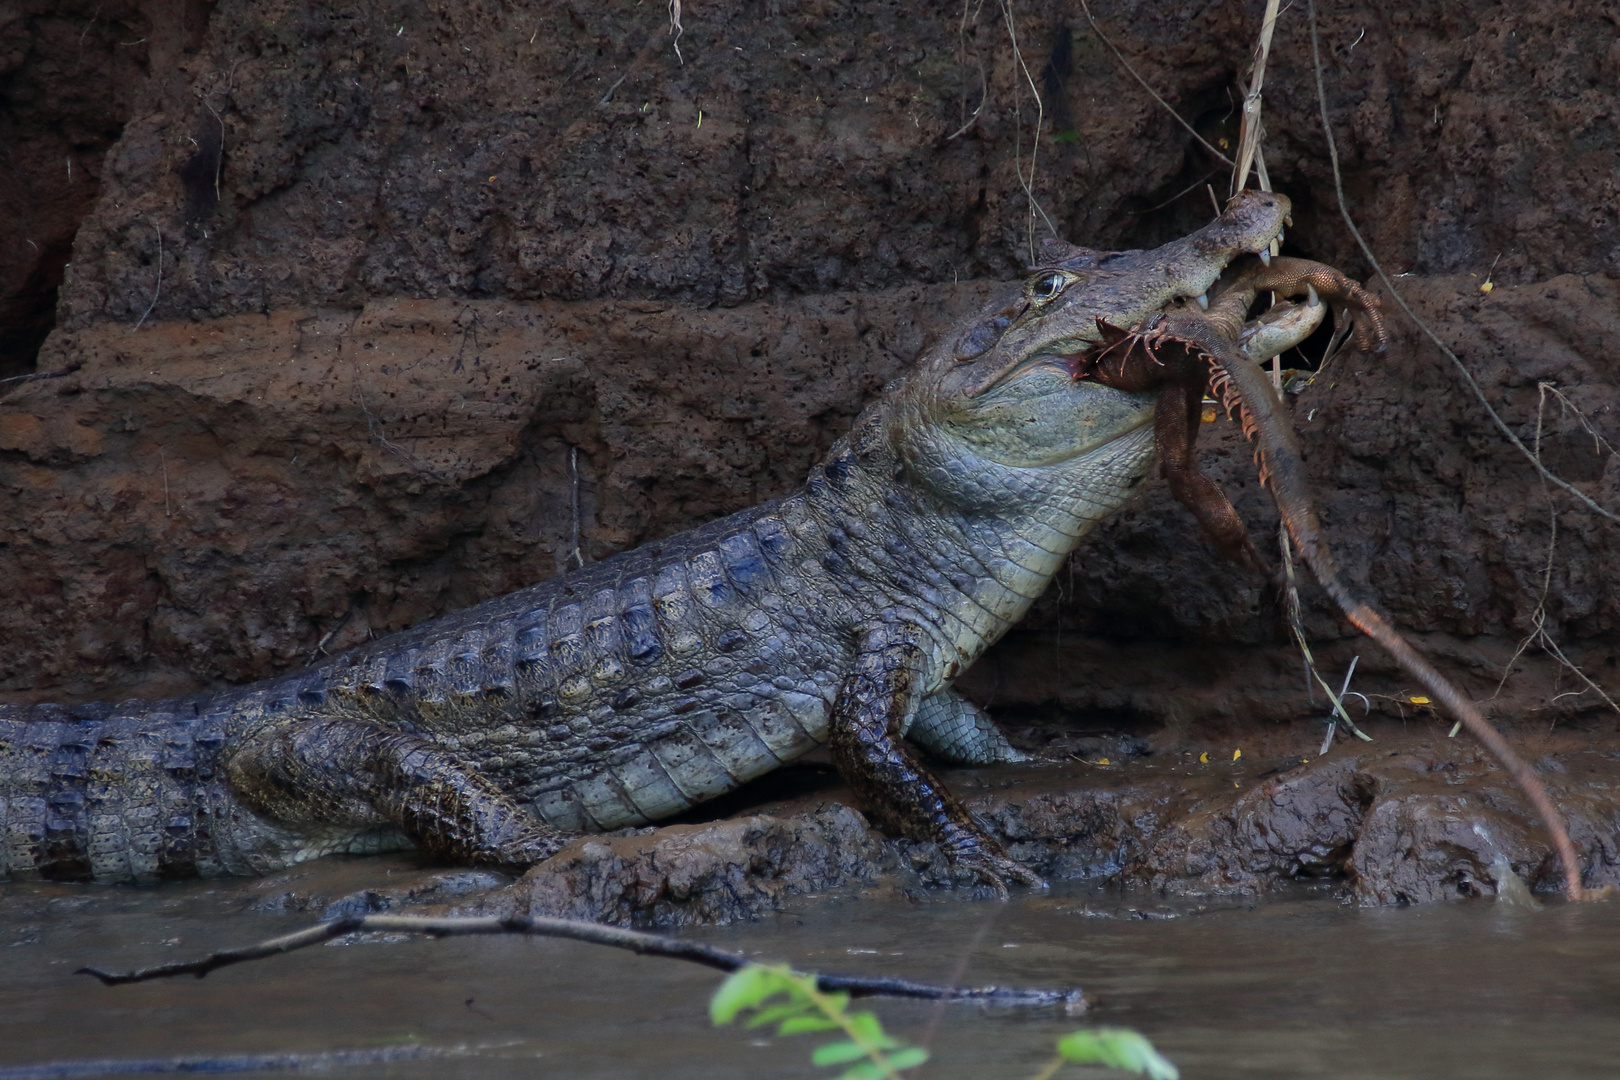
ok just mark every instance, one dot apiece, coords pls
pixel 1354 308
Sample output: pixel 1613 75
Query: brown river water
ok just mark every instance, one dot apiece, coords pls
pixel 1297 987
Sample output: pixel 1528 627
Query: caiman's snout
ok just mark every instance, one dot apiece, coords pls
pixel 1251 223
pixel 1054 320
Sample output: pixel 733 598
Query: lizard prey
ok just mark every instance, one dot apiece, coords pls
pixel 661 677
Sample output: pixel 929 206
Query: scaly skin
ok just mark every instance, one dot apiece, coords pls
pixel 667 675
pixel 1184 351
pixel 1181 350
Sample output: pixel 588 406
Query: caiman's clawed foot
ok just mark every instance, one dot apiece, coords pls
pixel 997 871
pixel 893 785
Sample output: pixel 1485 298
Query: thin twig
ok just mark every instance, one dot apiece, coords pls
pixel 1538 619
pixel 675 28
pixel 1167 107
pixel 964 957
pixel 984 96
pixel 636 941
pixel 157 289
pixel 573 489
pixel 1297 625
pixel 1018 134
pixel 1201 180
pixel 607 97
pixel 1249 136
pixel 34 375
pixel 326 638
pixel 374 429
pixel 1251 133
pixel 1371 623
pixel 1468 378
pixel 1344 692
pixel 163 459
pixel 1599 443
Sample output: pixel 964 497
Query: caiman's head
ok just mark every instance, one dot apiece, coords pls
pixel 1002 398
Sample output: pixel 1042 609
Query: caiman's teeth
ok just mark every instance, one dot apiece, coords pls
pixel 1265 255
pixel 1288 220
pixel 1311 290
pixel 1203 300
pixel 1277 243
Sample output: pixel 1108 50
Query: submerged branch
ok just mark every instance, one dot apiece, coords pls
pixel 596 934
pixel 227 1063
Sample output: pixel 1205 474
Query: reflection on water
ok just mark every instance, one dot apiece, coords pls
pixel 1296 988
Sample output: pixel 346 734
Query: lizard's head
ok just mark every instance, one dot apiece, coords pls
pixel 1006 388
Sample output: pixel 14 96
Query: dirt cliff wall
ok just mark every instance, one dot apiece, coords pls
pixel 369 299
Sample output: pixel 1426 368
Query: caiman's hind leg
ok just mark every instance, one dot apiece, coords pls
pixel 871 711
pixel 323 776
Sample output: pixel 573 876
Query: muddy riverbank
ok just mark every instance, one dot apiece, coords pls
pixel 1412 817
pixel 348 319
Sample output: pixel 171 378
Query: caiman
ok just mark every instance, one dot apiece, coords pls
pixel 634 688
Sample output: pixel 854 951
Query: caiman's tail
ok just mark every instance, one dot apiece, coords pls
pixel 128 792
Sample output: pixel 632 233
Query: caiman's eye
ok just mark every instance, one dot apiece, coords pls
pixel 1046 287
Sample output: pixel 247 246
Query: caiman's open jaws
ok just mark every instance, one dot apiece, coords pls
pixel 1056 313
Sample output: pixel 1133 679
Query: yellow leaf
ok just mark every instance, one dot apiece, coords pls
pixel 1486 288
pixel 1102 761
pixel 1208 415
pixel 1418 700
pixel 1236 754
pixel 1204 757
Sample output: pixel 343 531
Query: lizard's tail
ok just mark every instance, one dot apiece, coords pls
pixel 1282 467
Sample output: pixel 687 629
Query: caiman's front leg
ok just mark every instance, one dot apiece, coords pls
pixel 871 711
pixel 323 775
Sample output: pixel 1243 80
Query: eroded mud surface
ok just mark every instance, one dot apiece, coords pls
pixel 1406 819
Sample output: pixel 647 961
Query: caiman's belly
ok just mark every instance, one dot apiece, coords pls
pixel 665 748
pixel 685 759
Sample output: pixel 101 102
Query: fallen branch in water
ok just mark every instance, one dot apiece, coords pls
pixel 594 933
pixel 226 1063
